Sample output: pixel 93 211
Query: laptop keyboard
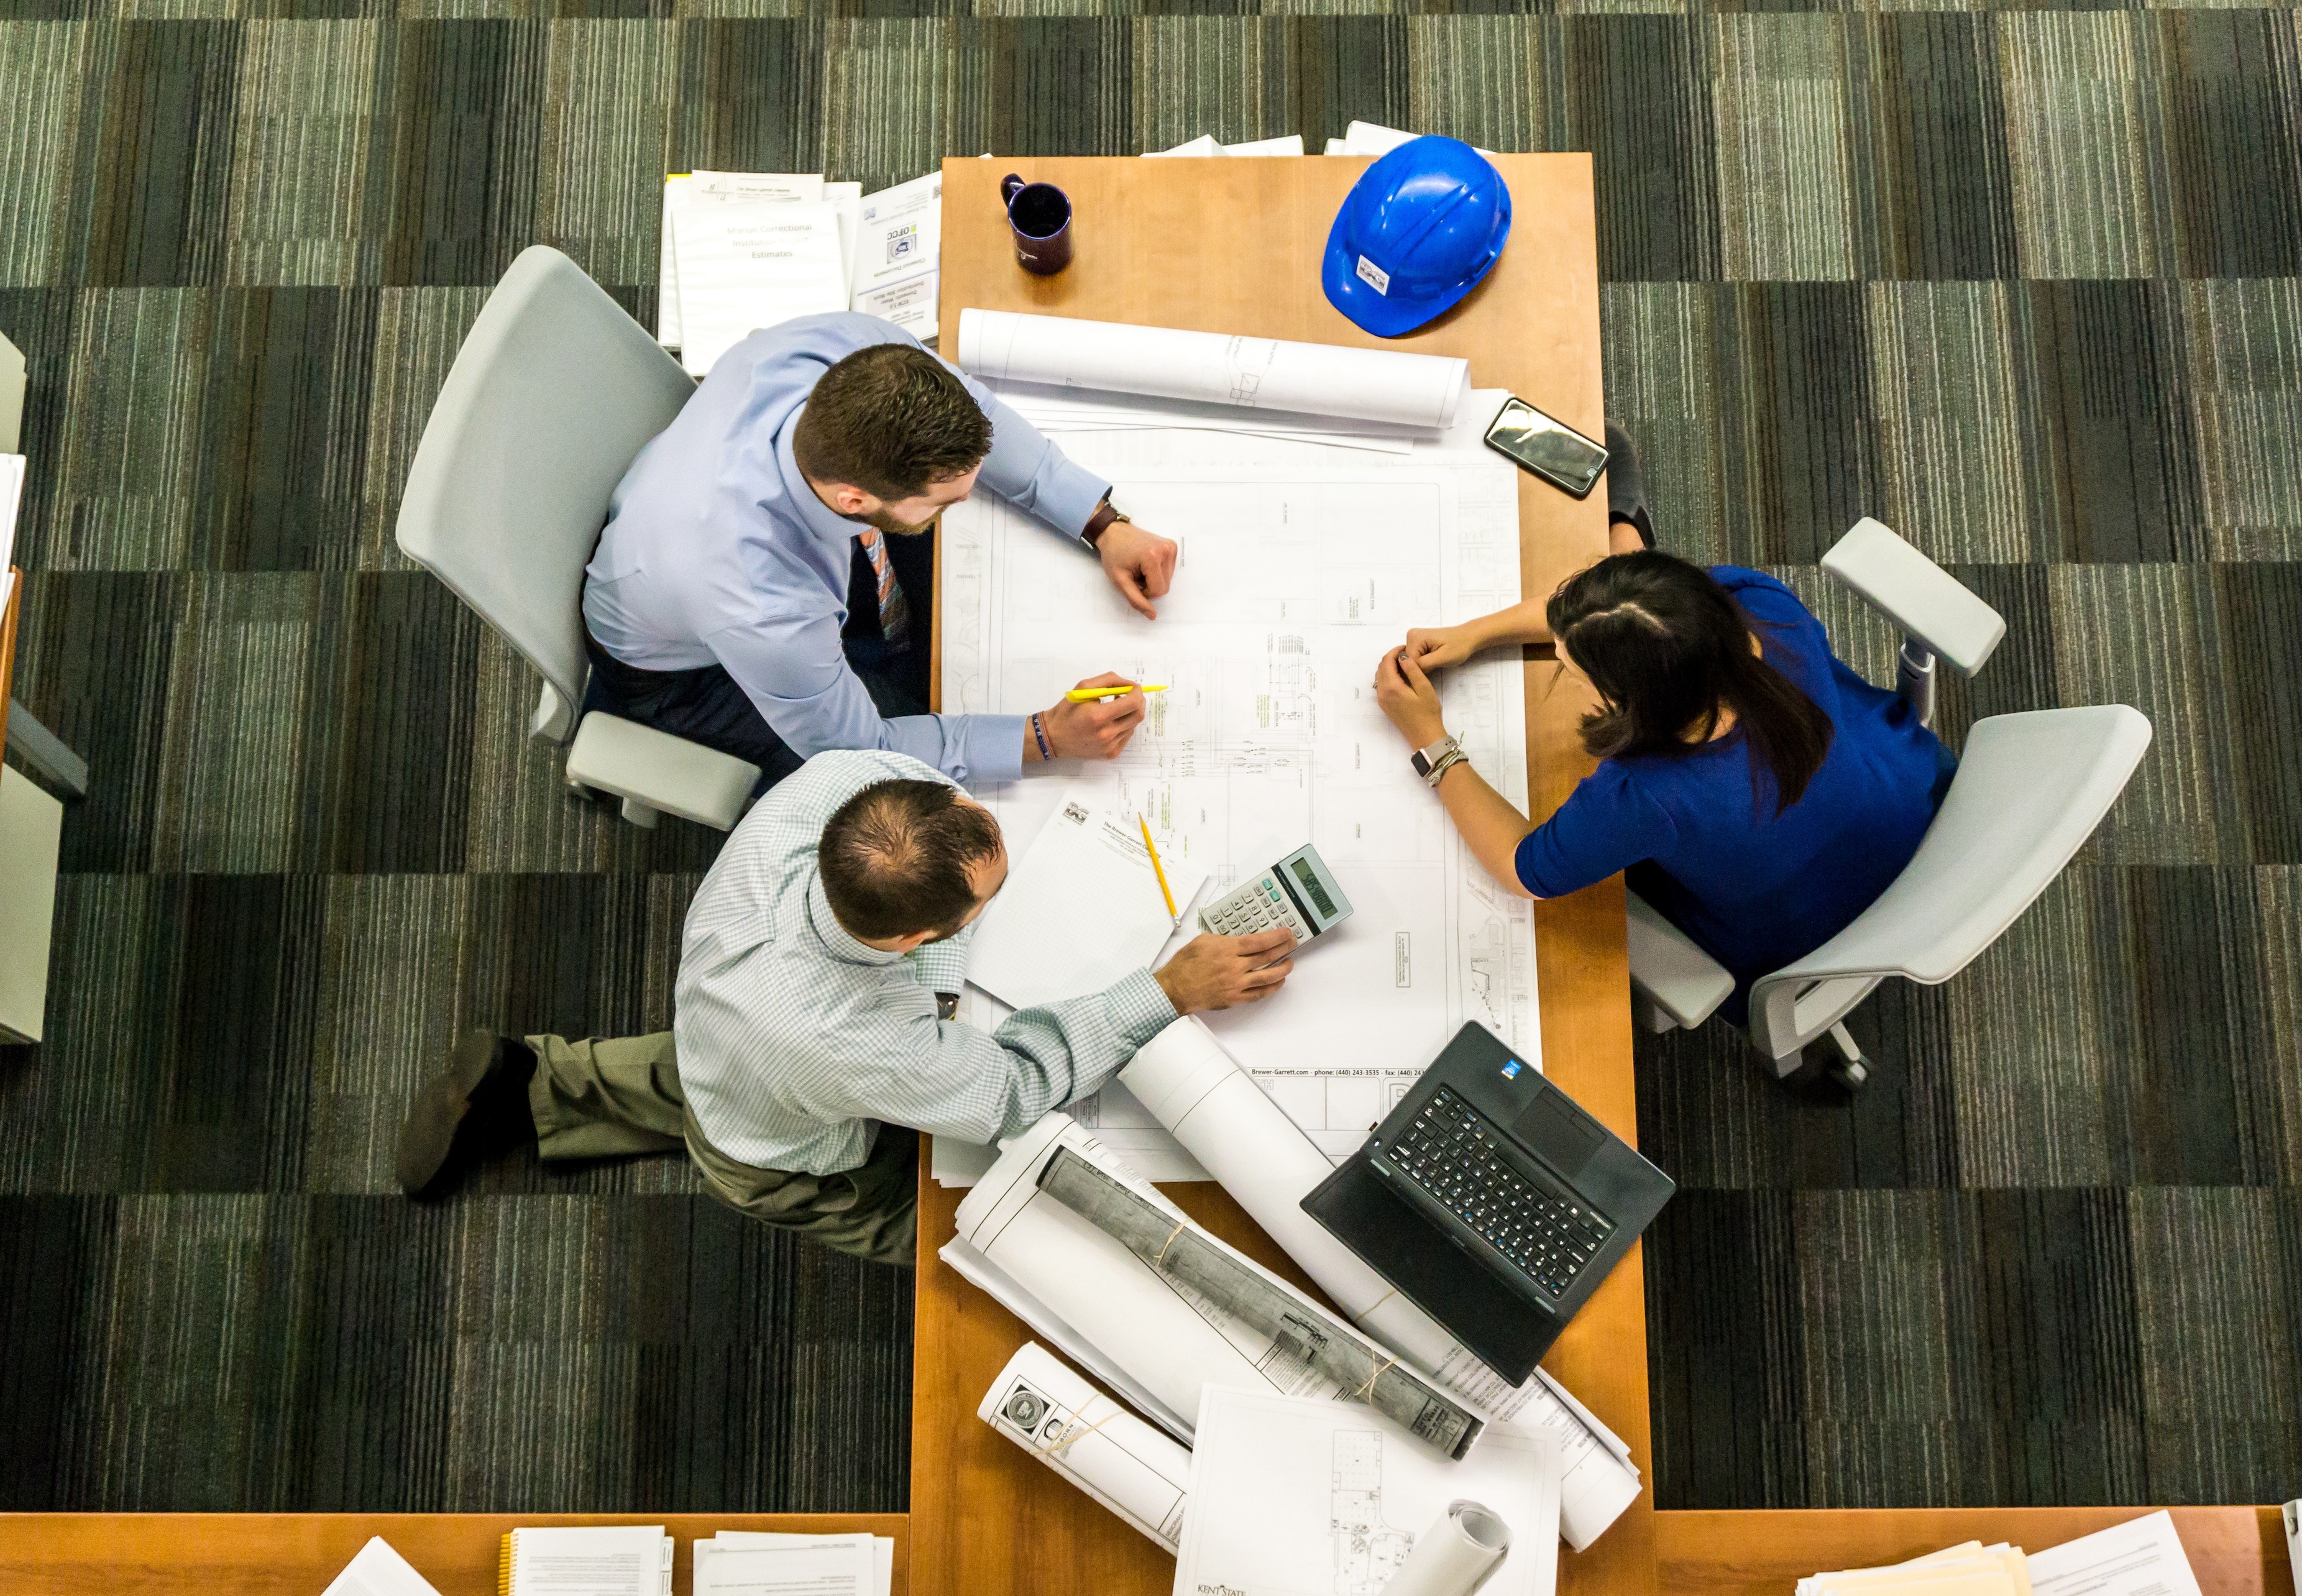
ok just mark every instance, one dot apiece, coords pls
pixel 1450 1151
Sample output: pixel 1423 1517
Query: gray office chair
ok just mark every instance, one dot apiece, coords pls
pixel 553 393
pixel 2030 789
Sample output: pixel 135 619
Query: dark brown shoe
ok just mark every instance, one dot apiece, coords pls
pixel 475 1108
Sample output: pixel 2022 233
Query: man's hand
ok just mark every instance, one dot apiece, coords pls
pixel 1407 696
pixel 1089 731
pixel 1214 972
pixel 1436 648
pixel 1141 564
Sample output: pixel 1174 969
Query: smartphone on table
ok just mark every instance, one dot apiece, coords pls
pixel 1548 446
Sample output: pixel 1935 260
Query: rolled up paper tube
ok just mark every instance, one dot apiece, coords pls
pixel 1453 1555
pixel 1066 1423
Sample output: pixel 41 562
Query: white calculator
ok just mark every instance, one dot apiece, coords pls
pixel 1298 893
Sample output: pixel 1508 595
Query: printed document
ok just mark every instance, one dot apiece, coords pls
pixel 1082 909
pixel 803 1565
pixel 744 266
pixel 684 189
pixel 2143 1557
pixel 882 1550
pixel 899 255
pixel 1295 1496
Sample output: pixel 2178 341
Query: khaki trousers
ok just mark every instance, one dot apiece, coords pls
pixel 606 1099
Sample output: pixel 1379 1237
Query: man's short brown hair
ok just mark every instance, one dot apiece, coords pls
pixel 897 858
pixel 890 419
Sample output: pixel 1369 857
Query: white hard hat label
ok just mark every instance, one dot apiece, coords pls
pixel 1374 277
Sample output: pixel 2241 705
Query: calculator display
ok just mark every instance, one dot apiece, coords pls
pixel 1310 884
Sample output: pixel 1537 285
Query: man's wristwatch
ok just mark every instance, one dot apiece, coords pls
pixel 946 1005
pixel 1100 522
pixel 1432 763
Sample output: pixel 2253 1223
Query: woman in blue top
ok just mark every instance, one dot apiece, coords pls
pixel 1760 794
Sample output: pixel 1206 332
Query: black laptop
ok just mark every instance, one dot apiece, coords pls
pixel 1491 1201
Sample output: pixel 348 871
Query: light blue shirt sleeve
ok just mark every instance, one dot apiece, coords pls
pixel 1026 469
pixel 794 671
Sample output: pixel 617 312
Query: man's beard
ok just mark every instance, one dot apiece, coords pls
pixel 887 523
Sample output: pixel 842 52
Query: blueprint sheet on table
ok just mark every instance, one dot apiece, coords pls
pixel 1300 563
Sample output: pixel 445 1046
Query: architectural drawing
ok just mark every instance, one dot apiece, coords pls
pixel 1367 1551
pixel 1299 565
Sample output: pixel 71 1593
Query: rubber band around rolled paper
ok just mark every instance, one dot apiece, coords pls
pixel 1075 1433
pixel 1161 1261
pixel 1361 1394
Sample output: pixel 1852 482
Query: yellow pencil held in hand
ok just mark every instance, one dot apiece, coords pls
pixel 1157 869
pixel 1091 695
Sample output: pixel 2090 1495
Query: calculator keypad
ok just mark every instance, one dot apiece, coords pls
pixel 1257 905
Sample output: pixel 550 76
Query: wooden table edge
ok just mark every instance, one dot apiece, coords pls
pixel 302 1552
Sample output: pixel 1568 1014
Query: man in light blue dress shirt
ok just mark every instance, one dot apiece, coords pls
pixel 749 591
pixel 814 1030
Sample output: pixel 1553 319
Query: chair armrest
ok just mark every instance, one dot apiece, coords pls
pixel 1669 970
pixel 1925 601
pixel 661 771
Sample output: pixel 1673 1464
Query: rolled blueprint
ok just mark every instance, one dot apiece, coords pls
pixel 1260 1157
pixel 1453 1555
pixel 1041 1406
pixel 1185 1256
pixel 1149 1337
pixel 1261 373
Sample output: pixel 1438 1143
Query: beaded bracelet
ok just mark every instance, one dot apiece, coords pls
pixel 1040 736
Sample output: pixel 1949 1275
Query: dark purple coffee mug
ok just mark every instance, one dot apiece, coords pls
pixel 1040 215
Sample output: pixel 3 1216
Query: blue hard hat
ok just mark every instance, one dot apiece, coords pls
pixel 1416 233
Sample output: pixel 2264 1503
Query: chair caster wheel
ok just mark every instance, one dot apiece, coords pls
pixel 1849 1074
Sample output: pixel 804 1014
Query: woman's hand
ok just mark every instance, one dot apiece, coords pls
pixel 1436 648
pixel 1408 698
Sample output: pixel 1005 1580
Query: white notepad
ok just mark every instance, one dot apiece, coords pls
pixel 1082 909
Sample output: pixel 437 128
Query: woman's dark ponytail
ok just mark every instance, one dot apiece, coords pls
pixel 1668 650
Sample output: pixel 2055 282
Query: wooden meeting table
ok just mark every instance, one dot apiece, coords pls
pixel 1234 246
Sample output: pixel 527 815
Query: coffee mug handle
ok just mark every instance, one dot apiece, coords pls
pixel 1010 186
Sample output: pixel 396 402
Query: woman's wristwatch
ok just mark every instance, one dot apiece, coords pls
pixel 1432 763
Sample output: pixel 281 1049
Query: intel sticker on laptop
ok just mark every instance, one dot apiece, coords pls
pixel 1510 1071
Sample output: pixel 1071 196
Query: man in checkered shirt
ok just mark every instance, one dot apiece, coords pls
pixel 812 1036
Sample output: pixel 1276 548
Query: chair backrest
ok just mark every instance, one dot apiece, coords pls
pixel 553 392
pixel 2030 789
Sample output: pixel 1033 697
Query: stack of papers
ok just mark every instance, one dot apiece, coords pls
pixel 744 250
pixel 768 1563
pixel 12 496
pixel 2140 1557
pixel 1973 1569
pixel 622 1559
pixel 1373 138
pixel 1205 144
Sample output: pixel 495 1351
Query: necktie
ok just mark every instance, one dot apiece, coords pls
pixel 894 610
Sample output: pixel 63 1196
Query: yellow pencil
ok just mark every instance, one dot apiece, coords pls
pixel 1157 869
pixel 1088 695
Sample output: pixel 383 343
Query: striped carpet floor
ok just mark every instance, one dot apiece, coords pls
pixel 2024 282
